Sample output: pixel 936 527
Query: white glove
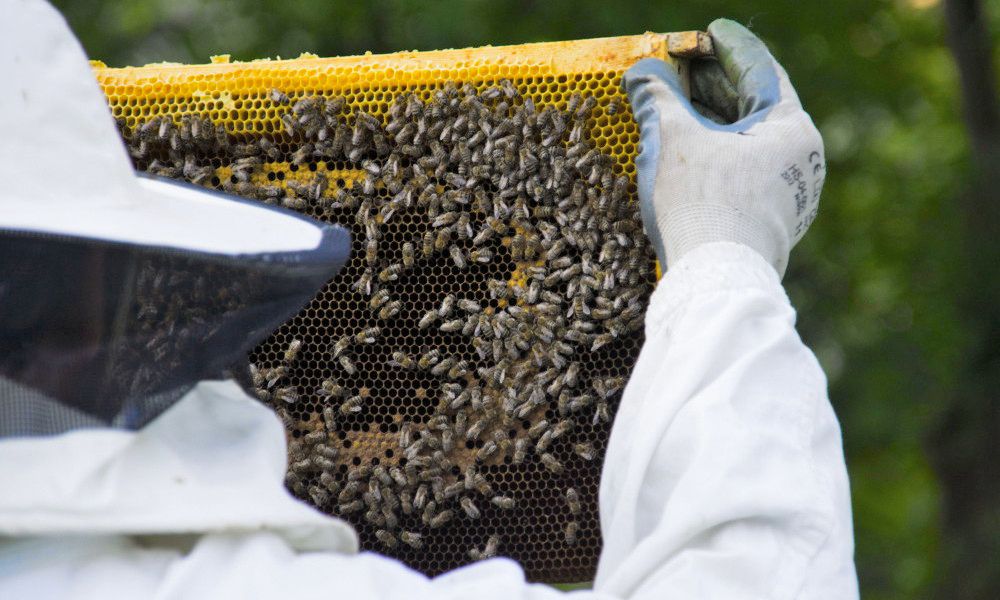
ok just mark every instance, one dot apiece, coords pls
pixel 755 182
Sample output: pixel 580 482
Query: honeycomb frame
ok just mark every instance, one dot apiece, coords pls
pixel 235 95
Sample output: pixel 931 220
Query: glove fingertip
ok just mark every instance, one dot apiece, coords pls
pixel 730 31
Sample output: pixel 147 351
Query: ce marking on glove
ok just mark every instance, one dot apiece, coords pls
pixel 806 201
pixel 816 161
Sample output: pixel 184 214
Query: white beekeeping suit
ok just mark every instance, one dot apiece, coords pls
pixel 724 476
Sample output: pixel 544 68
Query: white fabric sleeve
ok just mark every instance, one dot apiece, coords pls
pixel 725 476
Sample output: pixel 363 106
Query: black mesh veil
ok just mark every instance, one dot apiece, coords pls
pixel 99 333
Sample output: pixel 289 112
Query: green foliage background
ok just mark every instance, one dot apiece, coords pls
pixel 872 281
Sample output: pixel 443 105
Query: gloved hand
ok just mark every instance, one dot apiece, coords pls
pixel 755 181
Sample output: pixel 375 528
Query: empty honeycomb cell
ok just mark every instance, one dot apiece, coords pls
pixel 199 122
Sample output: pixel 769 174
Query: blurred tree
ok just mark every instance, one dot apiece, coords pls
pixel 874 281
pixel 966 441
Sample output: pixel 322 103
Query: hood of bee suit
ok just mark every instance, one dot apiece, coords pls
pixel 118 293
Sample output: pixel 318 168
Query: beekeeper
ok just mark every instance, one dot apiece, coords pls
pixel 125 475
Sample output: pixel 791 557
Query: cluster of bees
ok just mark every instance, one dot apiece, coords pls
pixel 490 179
pixel 177 307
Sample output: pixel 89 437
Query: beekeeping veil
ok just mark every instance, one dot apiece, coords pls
pixel 119 293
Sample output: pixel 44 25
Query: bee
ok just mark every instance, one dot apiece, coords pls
pixel 492 545
pixel 378 299
pixel 314 437
pixel 350 507
pixel 371 251
pixel 573 501
pixel 447 306
pixel 517 245
pixel 463 227
pixel 374 516
pixel 288 394
pixel 489 449
pixel 347 365
pixel 538 428
pixel 256 376
pixel 484 235
pixel 470 306
pixel 428 244
pixel 442 367
pixel 390 310
pixel 391 520
pixel 351 406
pixel 406 502
pixel 460 423
pixel 294 482
pixel 601 340
pixel 387 539
pixel 453 490
pixel 543 442
pixel 555 387
pixel 402 360
pixel 586 107
pixel 349 492
pixel 327 452
pixel 411 539
pixel 498 289
pixel 301 466
pixel 613 107
pixel 470 508
pixel 458 257
pixel 382 475
pixel 408 255
pixel 444 220
pixel 324 463
pixel 420 497
pixel 470 325
pixel 520 450
pixel 318 495
pixel 367 335
pixel 601 413
pixel 503 502
pixel 330 388
pixel 571 376
pixel 363 285
pixel 442 239
pixel 570 533
pixel 452 326
pixel 329 482
pixel 476 429
pixel 460 369
pixel 606 388
pixel 390 273
pixel 440 519
pixel 428 319
pixel 498 226
pixel 551 463
pixel 580 402
pixel 293 202
pixel 429 359
pixel 342 345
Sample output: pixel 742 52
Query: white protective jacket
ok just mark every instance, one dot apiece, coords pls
pixel 724 479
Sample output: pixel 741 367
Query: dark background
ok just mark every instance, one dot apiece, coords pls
pixel 897 282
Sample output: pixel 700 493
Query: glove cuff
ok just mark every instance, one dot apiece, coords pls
pixel 691 225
